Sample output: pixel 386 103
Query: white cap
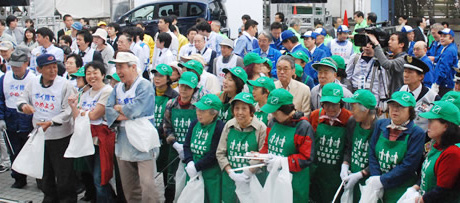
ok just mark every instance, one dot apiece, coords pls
pixel 101 33
pixel 124 57
pixel 6 45
pixel 406 28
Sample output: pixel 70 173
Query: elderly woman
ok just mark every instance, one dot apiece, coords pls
pixel 396 148
pixel 92 102
pixel 234 82
pixel 440 177
pixel 330 124
pixel 163 93
pixel 290 135
pixel 178 116
pixel 261 89
pixel 241 134
pixel 359 131
pixel 253 65
pixel 200 146
pixel 175 75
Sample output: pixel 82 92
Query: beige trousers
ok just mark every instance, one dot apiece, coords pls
pixel 138 181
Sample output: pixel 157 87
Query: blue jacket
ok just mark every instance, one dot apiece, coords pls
pixel 299 47
pixel 244 45
pixel 317 55
pixel 445 66
pixel 435 49
pixel 410 50
pixel 412 159
pixel 15 121
pixel 431 75
pixel 276 44
pixel 325 49
pixel 273 55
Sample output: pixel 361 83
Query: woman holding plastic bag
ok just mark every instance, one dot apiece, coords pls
pixel 179 115
pixel 330 123
pixel 396 150
pixel 201 144
pixel 359 131
pixel 440 171
pixel 92 104
pixel 243 133
pixel 289 135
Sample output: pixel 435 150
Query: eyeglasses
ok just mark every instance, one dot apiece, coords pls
pixel 285 69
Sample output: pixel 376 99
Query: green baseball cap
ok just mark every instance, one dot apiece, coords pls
pixel 298 70
pixel 269 62
pixel 453 97
pixel 113 76
pixel 325 62
pixel 163 69
pixel 276 99
pixel 332 92
pixel 79 73
pixel 189 78
pixel 194 65
pixel 209 101
pixel 443 110
pixel 363 97
pixel 339 61
pixel 251 58
pixel 238 72
pixel 403 98
pixel 300 55
pixel 244 97
pixel 264 82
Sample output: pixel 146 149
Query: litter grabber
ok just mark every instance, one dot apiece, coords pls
pixel 9 142
pixel 166 167
pixel 338 191
pixel 248 167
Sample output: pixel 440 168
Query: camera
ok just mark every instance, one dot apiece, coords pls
pixel 381 33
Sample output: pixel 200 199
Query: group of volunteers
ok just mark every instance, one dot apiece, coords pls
pixel 169 112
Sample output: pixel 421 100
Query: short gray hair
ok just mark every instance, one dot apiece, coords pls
pixel 216 22
pixel 363 108
pixel 437 26
pixel 289 59
pixel 294 21
pixel 265 34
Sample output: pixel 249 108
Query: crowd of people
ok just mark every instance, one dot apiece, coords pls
pixel 167 108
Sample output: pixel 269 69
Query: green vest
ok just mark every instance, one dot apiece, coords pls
pixel 160 107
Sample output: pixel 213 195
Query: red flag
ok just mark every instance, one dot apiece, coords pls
pixel 345 19
pixel 295 10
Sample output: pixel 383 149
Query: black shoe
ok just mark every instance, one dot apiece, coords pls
pixel 4 169
pixel 86 198
pixel 19 184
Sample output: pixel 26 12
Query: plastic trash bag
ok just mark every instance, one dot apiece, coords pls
pixel 32 156
pixel 278 187
pixel 347 196
pixel 249 192
pixel 193 191
pixel 81 142
pixel 142 134
pixel 370 194
pixel 180 177
pixel 409 196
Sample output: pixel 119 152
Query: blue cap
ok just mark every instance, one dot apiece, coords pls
pixel 77 25
pixel 342 28
pixel 309 34
pixel 447 31
pixel 45 59
pixel 286 35
pixel 406 29
pixel 321 31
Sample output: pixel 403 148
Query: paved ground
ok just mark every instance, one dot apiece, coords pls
pixel 30 193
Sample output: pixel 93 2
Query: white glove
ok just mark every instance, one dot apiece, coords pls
pixel 239 177
pixel 410 194
pixel 2 125
pixel 180 149
pixel 375 182
pixel 271 160
pixel 344 171
pixel 191 170
pixel 352 179
pixel 435 87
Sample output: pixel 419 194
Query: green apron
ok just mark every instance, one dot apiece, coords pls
pixel 329 146
pixel 389 155
pixel 238 143
pixel 262 116
pixel 281 143
pixel 226 112
pixel 200 144
pixel 181 120
pixel 359 156
pixel 160 107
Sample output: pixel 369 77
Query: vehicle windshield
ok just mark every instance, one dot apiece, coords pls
pixel 156 11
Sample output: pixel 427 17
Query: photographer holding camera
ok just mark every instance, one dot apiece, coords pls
pixel 395 65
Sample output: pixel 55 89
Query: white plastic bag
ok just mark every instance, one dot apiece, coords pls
pixel 347 196
pixel 278 187
pixel 180 178
pixel 409 196
pixel 142 134
pixel 369 194
pixel 32 156
pixel 193 191
pixel 159 184
pixel 81 142
pixel 249 192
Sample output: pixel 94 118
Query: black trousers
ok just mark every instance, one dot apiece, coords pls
pixel 17 139
pixel 58 183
